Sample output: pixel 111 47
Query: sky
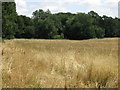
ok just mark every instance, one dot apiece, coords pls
pixel 102 7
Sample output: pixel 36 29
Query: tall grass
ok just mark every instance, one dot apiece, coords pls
pixel 60 63
pixel 0 62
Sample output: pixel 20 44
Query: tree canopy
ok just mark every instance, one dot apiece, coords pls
pixel 45 25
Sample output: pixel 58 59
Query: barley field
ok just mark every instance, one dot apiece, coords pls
pixel 34 63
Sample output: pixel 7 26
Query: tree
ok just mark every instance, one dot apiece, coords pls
pixel 46 29
pixel 118 27
pixel 9 30
pixel 45 25
pixel 9 20
pixel 110 26
pixel 40 14
pixel 98 32
pixel 79 27
pixel 25 27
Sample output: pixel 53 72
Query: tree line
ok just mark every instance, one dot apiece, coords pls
pixel 45 25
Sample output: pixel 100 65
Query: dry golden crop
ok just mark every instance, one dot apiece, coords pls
pixel 60 63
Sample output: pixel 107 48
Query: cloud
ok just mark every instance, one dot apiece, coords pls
pixel 102 7
pixel 55 9
pixel 119 9
pixel 90 2
pixel 25 8
pixel 21 6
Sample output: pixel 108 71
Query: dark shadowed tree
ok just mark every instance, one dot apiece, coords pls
pixel 45 25
pixel 9 19
pixel 25 27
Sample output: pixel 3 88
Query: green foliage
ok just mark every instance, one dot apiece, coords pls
pixel 26 28
pixel 8 20
pixel 46 29
pixel 80 27
pixel 100 32
pixel 45 25
pixel 9 30
pixel 59 36
pixel 111 26
pixel 40 14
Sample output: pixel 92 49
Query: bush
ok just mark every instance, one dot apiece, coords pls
pixel 59 36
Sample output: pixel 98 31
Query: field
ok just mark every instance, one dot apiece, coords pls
pixel 60 63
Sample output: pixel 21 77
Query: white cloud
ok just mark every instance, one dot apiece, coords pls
pixel 109 7
pixel 119 7
pixel 90 2
pixel 102 7
pixel 55 9
pixel 111 3
pixel 21 6
pixel 104 11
